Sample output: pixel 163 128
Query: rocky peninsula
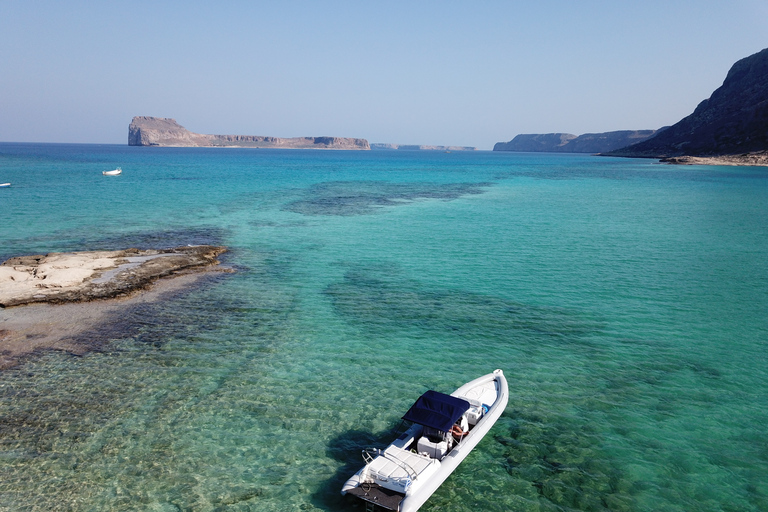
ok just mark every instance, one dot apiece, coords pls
pixel 161 131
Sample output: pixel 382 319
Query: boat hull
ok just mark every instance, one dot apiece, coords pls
pixel 480 390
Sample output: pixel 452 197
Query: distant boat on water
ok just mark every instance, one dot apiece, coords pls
pixel 115 172
pixel 5 184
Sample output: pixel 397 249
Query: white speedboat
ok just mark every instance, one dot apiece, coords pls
pixel 5 184
pixel 115 172
pixel 445 428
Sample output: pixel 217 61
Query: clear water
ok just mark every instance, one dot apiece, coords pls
pixel 626 302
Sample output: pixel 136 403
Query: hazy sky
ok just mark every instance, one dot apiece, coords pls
pixel 411 72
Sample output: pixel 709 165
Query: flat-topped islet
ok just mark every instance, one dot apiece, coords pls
pixel 162 131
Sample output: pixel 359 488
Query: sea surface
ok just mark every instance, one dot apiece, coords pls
pixel 626 301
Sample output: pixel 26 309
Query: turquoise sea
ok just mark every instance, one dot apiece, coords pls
pixel 626 301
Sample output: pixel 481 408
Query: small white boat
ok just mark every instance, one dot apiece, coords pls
pixel 5 184
pixel 115 172
pixel 445 428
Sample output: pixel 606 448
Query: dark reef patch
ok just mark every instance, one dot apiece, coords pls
pixel 161 239
pixel 560 464
pixel 378 300
pixel 346 198
pixel 91 241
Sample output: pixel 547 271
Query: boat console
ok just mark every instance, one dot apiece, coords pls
pixel 434 446
pixel 475 412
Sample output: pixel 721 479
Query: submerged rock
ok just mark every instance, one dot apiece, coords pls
pixel 92 275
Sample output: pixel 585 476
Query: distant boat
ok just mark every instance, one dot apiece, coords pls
pixel 445 428
pixel 115 172
pixel 5 184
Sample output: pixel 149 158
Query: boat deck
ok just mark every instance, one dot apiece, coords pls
pixel 486 394
pixel 378 495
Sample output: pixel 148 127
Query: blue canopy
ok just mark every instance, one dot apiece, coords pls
pixel 437 410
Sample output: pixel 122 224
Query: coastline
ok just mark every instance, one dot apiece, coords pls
pixel 93 275
pixel 747 159
pixel 36 328
pixel 59 315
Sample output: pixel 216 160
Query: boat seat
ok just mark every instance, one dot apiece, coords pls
pixel 435 449
pixel 396 468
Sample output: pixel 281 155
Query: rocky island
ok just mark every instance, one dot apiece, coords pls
pixel 161 131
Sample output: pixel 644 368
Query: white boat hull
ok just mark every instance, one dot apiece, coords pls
pixel 5 184
pixel 490 390
pixel 115 172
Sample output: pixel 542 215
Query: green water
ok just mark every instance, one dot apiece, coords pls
pixel 626 302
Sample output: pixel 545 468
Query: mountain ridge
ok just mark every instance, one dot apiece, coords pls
pixel 569 143
pixel 732 121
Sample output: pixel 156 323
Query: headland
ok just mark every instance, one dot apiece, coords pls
pixel 728 128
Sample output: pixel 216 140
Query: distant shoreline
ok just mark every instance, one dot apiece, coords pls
pixel 759 159
pixel 748 159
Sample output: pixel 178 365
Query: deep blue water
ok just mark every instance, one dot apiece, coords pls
pixel 626 302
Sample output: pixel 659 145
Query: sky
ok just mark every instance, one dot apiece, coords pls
pixel 404 72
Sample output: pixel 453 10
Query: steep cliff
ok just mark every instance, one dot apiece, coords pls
pixel 159 131
pixel 734 120
pixel 568 143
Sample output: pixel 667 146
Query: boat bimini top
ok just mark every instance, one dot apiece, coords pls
pixel 437 410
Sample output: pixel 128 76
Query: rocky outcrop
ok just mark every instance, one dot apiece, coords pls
pixel 733 121
pixel 417 147
pixel 569 143
pixel 91 275
pixel 758 158
pixel 160 131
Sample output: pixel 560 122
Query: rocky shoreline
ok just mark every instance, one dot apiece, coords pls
pixel 56 301
pixel 757 159
pixel 57 278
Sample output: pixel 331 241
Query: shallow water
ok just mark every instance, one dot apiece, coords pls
pixel 626 302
